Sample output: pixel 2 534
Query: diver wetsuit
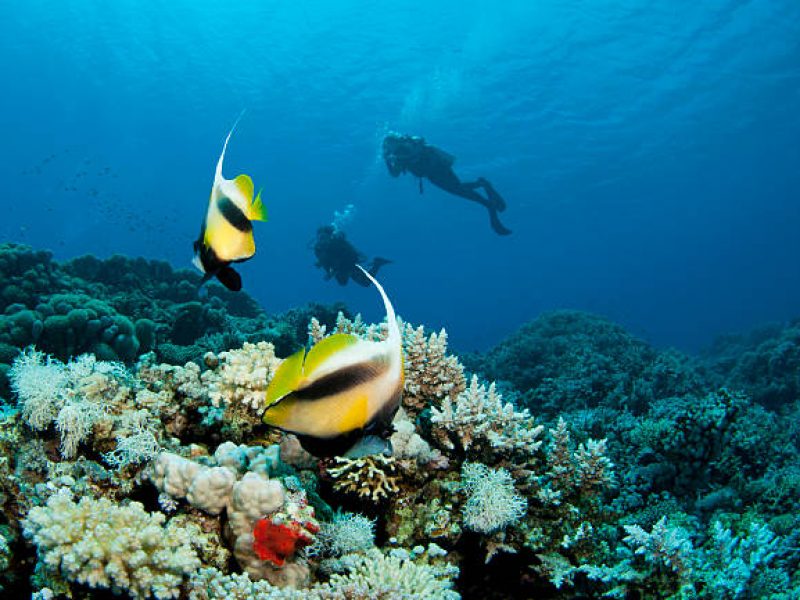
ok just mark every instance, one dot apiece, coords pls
pixel 406 153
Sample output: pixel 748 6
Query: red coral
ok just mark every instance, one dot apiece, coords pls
pixel 275 542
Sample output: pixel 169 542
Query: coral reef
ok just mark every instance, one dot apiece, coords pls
pixel 573 460
pixel 120 308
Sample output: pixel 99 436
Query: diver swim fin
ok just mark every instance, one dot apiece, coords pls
pixel 230 278
pixel 498 227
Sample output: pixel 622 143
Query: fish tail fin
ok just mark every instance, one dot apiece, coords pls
pixel 391 318
pixel 218 174
pixel 258 212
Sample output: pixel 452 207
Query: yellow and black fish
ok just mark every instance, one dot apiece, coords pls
pixel 226 235
pixel 343 393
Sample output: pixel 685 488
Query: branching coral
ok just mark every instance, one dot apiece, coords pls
pixel 398 572
pixel 374 477
pixel 667 546
pixel 101 544
pixel 478 417
pixel 399 575
pixel 432 376
pixel 572 475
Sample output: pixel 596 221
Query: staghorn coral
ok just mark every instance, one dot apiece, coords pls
pixel 374 476
pixel 101 544
pixel 432 376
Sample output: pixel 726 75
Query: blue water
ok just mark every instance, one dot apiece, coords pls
pixel 649 152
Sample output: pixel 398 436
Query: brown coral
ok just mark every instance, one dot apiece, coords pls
pixel 431 374
pixel 374 476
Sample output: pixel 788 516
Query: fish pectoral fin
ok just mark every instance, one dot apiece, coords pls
pixel 370 444
pixel 286 379
pixel 245 186
pixel 325 348
pixel 257 211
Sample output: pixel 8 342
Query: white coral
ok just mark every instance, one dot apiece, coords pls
pixel 74 422
pixel 243 376
pixel 492 502
pixel 478 414
pixel 398 575
pixel 408 444
pixel 40 383
pixel 246 500
pixel 431 375
pixel 101 544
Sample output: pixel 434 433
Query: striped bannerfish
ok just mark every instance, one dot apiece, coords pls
pixel 341 396
pixel 226 235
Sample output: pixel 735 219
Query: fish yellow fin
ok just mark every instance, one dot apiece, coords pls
pixel 276 416
pixel 257 210
pixel 245 185
pixel 286 379
pixel 325 348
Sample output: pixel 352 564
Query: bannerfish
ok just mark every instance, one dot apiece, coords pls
pixel 340 397
pixel 226 235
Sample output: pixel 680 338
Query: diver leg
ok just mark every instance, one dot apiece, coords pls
pixel 497 226
pixel 494 197
pixel 377 263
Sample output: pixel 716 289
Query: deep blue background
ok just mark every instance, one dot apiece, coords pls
pixel 649 151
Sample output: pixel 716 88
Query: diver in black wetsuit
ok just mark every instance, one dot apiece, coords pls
pixel 407 153
pixel 338 257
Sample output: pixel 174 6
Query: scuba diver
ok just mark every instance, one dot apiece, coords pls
pixel 338 257
pixel 410 153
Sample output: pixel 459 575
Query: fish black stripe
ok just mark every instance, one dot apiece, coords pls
pixel 340 381
pixel 234 215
